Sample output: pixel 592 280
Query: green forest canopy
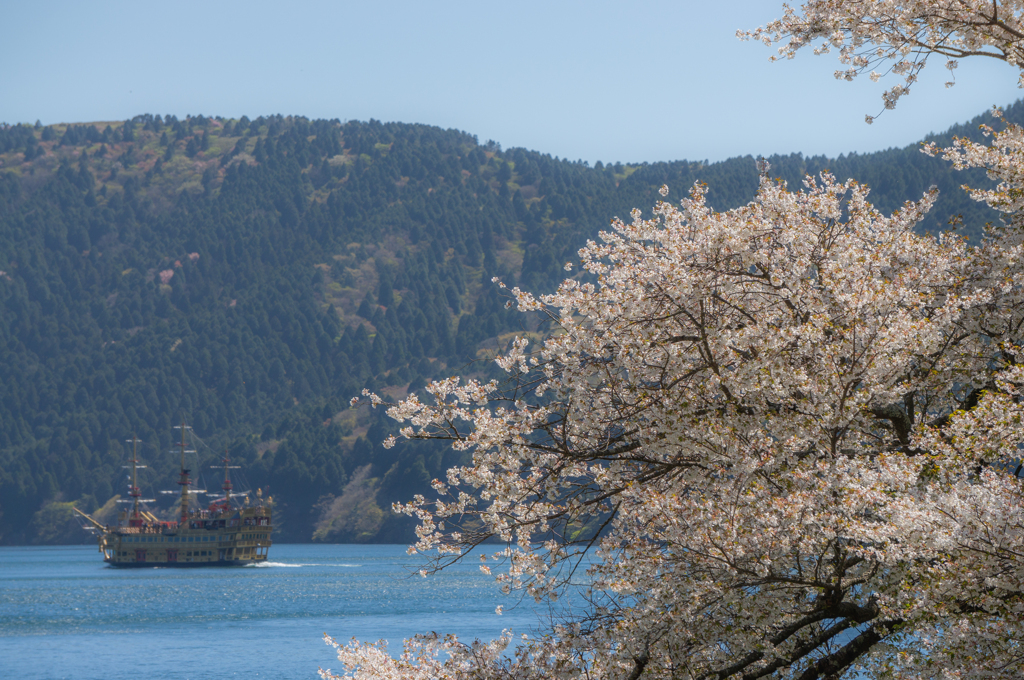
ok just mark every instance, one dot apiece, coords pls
pixel 251 276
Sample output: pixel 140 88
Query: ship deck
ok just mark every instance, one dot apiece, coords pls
pixel 237 537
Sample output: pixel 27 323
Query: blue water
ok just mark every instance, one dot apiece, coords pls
pixel 64 614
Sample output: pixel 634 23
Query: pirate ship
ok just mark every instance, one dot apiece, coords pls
pixel 226 533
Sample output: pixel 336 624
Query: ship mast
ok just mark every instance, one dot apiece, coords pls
pixel 183 480
pixel 134 491
pixel 227 479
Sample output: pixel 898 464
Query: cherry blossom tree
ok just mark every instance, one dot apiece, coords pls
pixel 899 36
pixel 780 441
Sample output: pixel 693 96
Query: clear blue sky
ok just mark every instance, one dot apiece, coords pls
pixel 612 81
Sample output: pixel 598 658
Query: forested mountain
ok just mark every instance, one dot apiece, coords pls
pixel 250 276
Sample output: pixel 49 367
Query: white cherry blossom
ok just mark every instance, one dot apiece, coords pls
pixel 899 36
pixel 779 441
pixel 753 420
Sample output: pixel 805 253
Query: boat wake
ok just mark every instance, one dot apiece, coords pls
pixel 263 565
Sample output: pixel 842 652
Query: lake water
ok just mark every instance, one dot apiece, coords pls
pixel 64 614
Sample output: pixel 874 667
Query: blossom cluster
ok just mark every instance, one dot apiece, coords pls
pixel 898 36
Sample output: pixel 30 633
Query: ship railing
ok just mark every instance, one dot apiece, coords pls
pixel 140 530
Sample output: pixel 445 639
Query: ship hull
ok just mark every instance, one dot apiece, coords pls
pixel 183 565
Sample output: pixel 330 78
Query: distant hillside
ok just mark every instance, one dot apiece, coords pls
pixel 253 275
